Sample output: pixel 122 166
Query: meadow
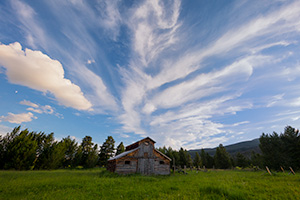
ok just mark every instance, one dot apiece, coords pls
pixel 100 184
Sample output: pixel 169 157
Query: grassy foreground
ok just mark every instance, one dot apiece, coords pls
pixel 100 184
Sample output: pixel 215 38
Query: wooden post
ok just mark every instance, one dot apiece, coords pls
pixel 292 170
pixel 282 169
pixel 268 171
pixel 184 169
pixel 173 165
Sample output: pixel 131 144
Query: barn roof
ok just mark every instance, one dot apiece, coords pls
pixel 162 154
pixel 136 144
pixel 123 154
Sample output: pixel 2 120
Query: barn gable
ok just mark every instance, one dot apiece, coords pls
pixel 140 157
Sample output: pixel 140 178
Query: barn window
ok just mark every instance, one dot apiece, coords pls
pixel 127 162
pixel 146 154
pixel 146 143
pixel 161 162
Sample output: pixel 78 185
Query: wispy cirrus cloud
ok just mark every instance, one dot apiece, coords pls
pixel 175 83
pixel 35 35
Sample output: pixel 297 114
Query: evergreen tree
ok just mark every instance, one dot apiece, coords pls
pixel 241 160
pixel 222 158
pixel 71 148
pixel 256 159
pixel 45 151
pixel 183 159
pixel 272 148
pixel 20 150
pixel 281 150
pixel 203 158
pixel 120 148
pixel 291 141
pixel 89 153
pixel 189 160
pixel 197 160
pixel 107 150
pixel 209 161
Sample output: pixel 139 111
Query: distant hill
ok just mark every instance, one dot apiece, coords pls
pixel 244 148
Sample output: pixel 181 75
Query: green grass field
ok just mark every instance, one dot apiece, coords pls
pixel 100 184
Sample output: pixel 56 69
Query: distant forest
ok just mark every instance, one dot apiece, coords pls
pixel 29 150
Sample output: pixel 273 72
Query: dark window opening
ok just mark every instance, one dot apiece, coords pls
pixel 127 162
pixel 146 143
pixel 161 162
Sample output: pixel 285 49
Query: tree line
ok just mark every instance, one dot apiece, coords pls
pixel 277 150
pixel 25 150
pixel 221 160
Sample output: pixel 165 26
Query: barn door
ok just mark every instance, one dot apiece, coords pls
pixel 148 166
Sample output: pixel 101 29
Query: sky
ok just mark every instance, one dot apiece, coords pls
pixel 191 74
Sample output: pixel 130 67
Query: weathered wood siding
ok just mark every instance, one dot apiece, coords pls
pixel 123 168
pixel 161 165
pixel 146 158
pixel 161 169
pixel 127 168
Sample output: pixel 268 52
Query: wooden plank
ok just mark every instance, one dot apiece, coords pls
pixel 292 170
pixel 268 171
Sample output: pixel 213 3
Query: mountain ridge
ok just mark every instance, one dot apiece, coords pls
pixel 245 148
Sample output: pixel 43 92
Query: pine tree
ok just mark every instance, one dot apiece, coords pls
pixel 88 153
pixel 106 150
pixel 203 158
pixel 120 148
pixel 183 160
pixel 222 158
pixel 209 161
pixel 189 160
pixel 241 160
pixel 197 160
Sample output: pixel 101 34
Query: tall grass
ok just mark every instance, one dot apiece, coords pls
pixel 100 184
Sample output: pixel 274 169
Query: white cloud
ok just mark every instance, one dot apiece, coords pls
pixel 147 21
pixel 110 17
pixel 99 95
pixel 275 99
pixel 276 23
pixel 37 71
pixel 35 35
pixel 151 37
pixel 18 118
pixel 35 110
pixel 203 85
pixel 40 109
pixel 28 103
pixel 295 102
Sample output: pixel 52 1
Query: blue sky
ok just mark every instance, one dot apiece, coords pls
pixel 189 74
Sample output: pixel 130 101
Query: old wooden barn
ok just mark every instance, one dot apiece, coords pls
pixel 140 157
